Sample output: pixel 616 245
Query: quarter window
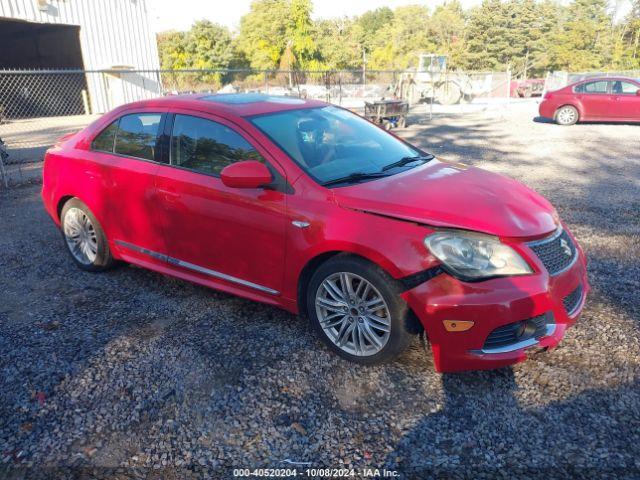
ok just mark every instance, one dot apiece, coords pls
pixel 206 146
pixel 136 135
pixel 624 88
pixel 104 141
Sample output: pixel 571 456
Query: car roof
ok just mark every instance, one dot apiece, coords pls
pixel 229 104
pixel 598 79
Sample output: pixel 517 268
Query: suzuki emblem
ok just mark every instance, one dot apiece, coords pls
pixel 565 247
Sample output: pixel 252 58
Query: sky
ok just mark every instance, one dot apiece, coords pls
pixel 180 14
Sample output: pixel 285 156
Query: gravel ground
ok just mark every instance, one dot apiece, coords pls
pixel 133 374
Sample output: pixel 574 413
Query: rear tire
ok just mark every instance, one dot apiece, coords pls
pixel 84 238
pixel 567 115
pixel 366 322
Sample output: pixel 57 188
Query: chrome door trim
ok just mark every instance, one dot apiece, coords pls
pixel 196 268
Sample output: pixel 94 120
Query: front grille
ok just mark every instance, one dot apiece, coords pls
pixel 511 333
pixel 572 301
pixel 556 252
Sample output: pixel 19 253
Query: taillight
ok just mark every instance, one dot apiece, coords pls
pixel 547 96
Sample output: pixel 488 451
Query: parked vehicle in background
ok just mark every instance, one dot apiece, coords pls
pixel 532 87
pixel 312 208
pixel 611 99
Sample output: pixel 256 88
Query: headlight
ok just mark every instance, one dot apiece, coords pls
pixel 473 256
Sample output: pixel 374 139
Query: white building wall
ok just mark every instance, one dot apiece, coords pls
pixel 113 33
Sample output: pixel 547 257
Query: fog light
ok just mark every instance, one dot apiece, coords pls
pixel 457 325
pixel 526 329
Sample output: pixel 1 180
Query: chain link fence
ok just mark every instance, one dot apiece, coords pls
pixel 37 107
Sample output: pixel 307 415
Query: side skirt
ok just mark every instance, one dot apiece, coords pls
pixel 196 268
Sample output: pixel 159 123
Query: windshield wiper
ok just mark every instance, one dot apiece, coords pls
pixel 407 160
pixel 354 177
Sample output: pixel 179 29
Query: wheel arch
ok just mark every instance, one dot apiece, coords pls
pixel 314 263
pixel 61 203
pixel 568 104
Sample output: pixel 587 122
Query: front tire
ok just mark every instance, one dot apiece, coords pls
pixel 84 237
pixel 567 115
pixel 356 309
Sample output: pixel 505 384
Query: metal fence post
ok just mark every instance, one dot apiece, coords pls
pixel 160 86
pixel 3 173
pixel 508 88
pixel 432 97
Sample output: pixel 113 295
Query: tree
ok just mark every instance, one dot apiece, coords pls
pixel 263 33
pixel 172 50
pixel 447 29
pixel 206 46
pixel 370 25
pixel 585 41
pixel 209 46
pixel 627 49
pixel 403 38
pixel 338 42
pixel 528 36
pixel 299 33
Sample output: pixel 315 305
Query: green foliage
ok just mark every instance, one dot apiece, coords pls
pixel 585 41
pixel 528 36
pixel 369 25
pixel 263 32
pixel 339 43
pixel 172 48
pixel 405 37
pixel 447 28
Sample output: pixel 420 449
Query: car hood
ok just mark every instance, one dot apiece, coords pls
pixel 443 194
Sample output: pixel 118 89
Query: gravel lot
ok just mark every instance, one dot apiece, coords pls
pixel 133 374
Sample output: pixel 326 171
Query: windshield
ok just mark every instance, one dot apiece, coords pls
pixel 330 143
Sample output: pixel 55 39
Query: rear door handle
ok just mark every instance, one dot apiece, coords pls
pixel 169 195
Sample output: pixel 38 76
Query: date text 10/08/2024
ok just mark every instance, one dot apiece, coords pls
pixel 315 472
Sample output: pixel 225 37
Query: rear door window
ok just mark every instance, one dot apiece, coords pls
pixel 137 135
pixel 600 86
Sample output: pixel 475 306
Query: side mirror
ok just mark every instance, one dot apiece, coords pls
pixel 638 92
pixel 246 174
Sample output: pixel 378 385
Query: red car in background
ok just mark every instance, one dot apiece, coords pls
pixel 609 99
pixel 312 208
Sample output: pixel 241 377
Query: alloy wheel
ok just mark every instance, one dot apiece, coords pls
pixel 353 314
pixel 567 116
pixel 80 236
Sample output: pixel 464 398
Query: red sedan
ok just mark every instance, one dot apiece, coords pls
pixel 311 208
pixel 607 99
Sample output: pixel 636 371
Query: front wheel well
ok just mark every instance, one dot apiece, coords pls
pixel 306 274
pixel 414 325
